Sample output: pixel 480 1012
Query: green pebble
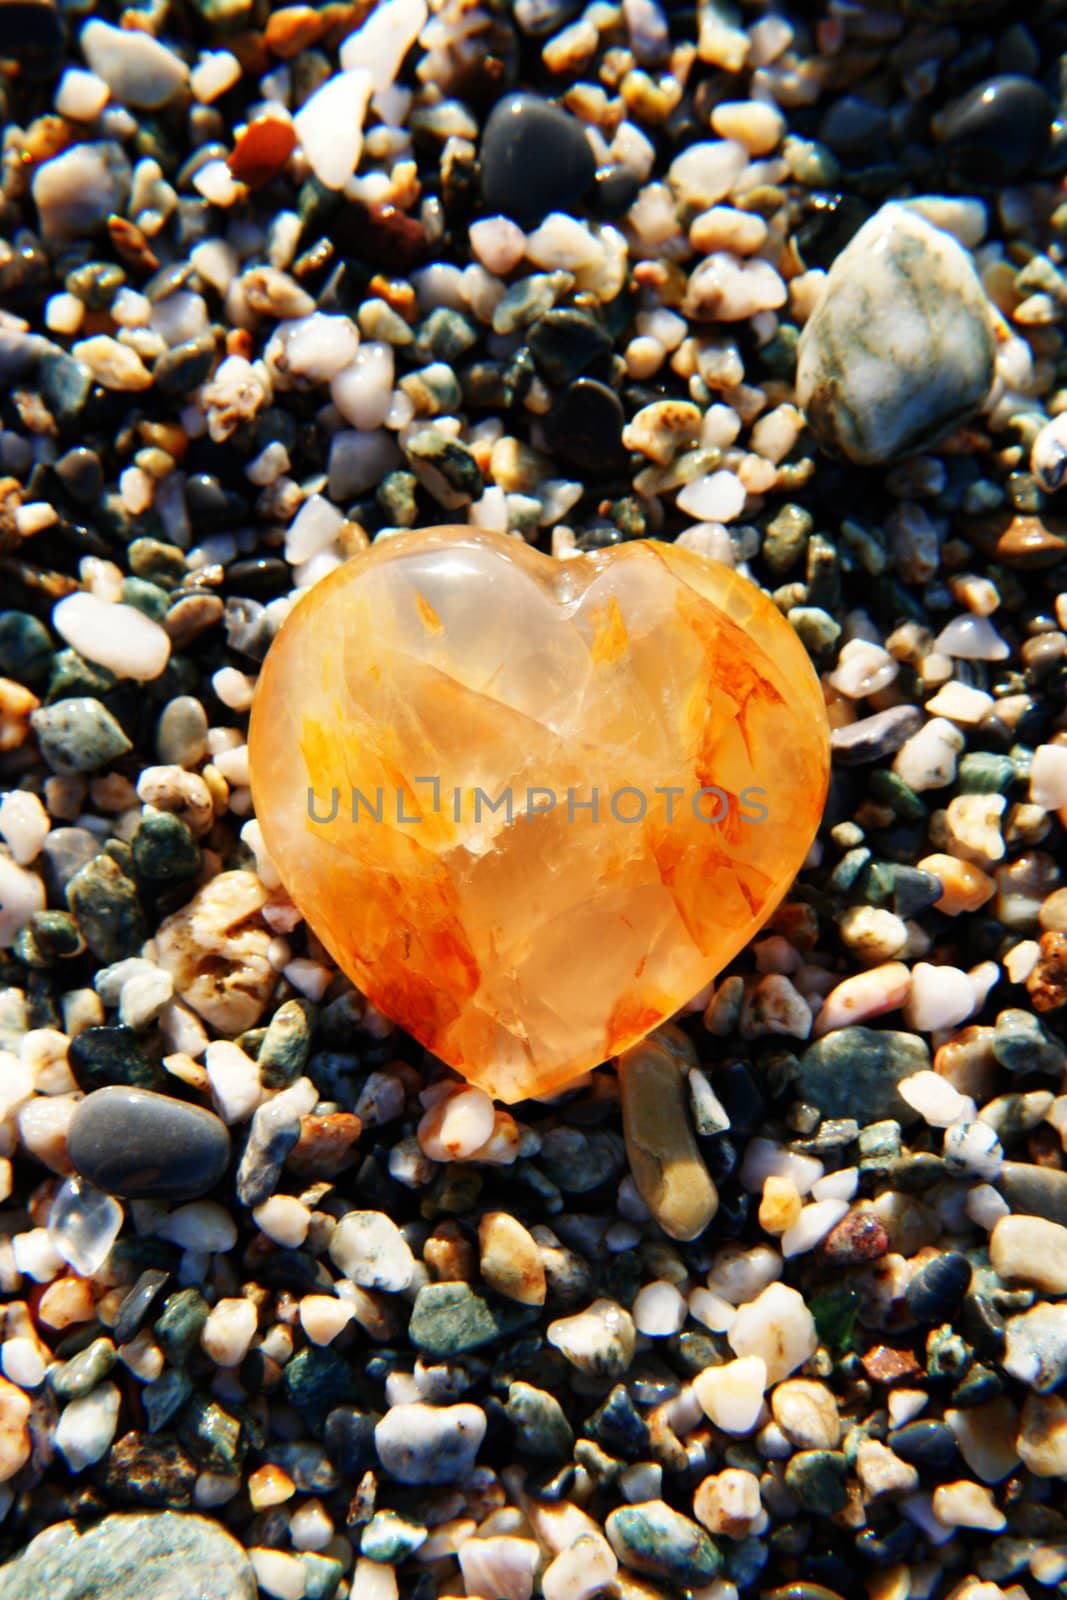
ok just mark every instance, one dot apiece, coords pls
pixel 541 1428
pixel 165 1397
pixel 893 791
pixel 25 648
pixel 396 497
pixel 854 1072
pixel 377 320
pixel 849 869
pixel 322 1576
pixel 179 1326
pixel 982 772
pixel 817 1479
pixel 450 1318
pixel 444 335
pixel 164 849
pixel 82 1373
pixel 316 1381
pixel 391 1538
pixel 102 1057
pixel 283 1054
pixel 73 676
pixel 145 597
pixel 95 284
pixel 655 1539
pixel 211 1435
pixel 65 386
pixel 815 628
pixel 785 538
pixel 48 937
pixel 157 562
pixel 105 905
pixel 1021 1044
pixel 78 735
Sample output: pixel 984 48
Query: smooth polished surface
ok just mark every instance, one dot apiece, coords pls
pixel 444 677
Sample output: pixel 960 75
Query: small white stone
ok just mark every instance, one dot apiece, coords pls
pixel 363 390
pixel 586 1568
pixel 284 1219
pixel 764 1158
pixel 457 1125
pixel 86 1427
pixel 278 1573
pixel 935 1099
pixel 973 1148
pixel 202 1225
pixel 21 894
pixel 706 171
pixel 778 1327
pixel 928 759
pixel 711 1309
pixel 812 1225
pixel 968 1505
pixel 324 1316
pixel 370 1249
pixel 659 1310
pixel 727 288
pixel 985 1206
pixel 740 1275
pixel 118 637
pixel 1048 777
pixel 24 824
pixel 498 243
pixel 421 1444
pixel 217 184
pixel 81 96
pixel 959 702
pixel 753 123
pixel 598 1340
pixel 138 69
pixel 971 638
pixel 22 1362
pixel 215 72
pixel 315 526
pixel 732 1394
pixel 380 44
pixel 234 1079
pixel 374 1580
pixel 330 126
pixel 563 243
pixel 228 1332
pixel 501 1565
pixel 940 997
pixel 715 497
pixel 863 669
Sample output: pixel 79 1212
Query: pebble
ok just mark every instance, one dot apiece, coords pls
pixel 776 1326
pixel 1030 1250
pixel 1035 1349
pixel 22 894
pixel 665 1160
pixel 228 1332
pixel 807 1413
pixel 117 637
pixel 599 1341
pixel 142 1145
pixel 1042 1441
pixel 83 1224
pixel 510 1259
pixel 138 69
pixel 113 1556
pixel 500 1565
pixel 655 1539
pixel 274 1131
pixel 15 1443
pixel 855 1072
pixel 75 193
pixel 899 350
pixel 582 1571
pixel 732 1394
pixel 86 1428
pixel 370 1249
pixel 216 953
pixel 998 130
pixel 78 735
pixel 422 1444
pixel 535 158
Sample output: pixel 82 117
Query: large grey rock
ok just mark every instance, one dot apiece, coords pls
pixel 854 1072
pixel 147 1146
pixel 152 1555
pixel 900 347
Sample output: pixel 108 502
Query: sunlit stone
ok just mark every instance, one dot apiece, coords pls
pixel 648 719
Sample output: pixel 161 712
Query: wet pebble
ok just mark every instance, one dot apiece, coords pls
pixel 535 158
pixel 138 1144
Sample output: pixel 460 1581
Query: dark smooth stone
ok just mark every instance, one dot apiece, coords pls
pixel 535 158
pixel 142 1145
pixel 829 223
pixel 137 1304
pixel 936 1292
pixel 584 426
pixel 349 1440
pixel 616 190
pixel 998 130
pixel 565 343
pixel 103 1056
pixel 926 1444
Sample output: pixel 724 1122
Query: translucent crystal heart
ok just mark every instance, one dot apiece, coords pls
pixel 531 807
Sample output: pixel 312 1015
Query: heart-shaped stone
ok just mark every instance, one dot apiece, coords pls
pixel 531 807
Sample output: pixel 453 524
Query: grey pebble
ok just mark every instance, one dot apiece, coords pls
pixel 126 1557
pixel 142 1145
pixel 872 738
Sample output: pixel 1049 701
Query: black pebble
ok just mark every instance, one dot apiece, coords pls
pixel 998 130
pixel 926 1444
pixel 535 158
pixel 936 1292
pixel 137 1304
pixel 616 190
pixel 103 1056
pixel 566 342
pixel 584 426
pixel 147 1146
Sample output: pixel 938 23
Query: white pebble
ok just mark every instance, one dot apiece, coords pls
pixel 928 759
pixel 363 390
pixel 778 1327
pixel 278 1573
pixel 118 637
pixel 330 126
pixel 457 1125
pixel 940 997
pixel 86 1427
pixel 935 1099
pixel 659 1310
pixel 1048 776
pixel 715 497
pixel 315 526
pixel 498 243
pixel 228 1332
pixel 138 69
pixel 324 1316
pixel 971 639
pixel 380 44
pixel 706 171
pixel 24 825
pixel 81 95
pixel 370 1249
pixel 202 1225
pixel 284 1219
pixel 973 1148
pixel 234 1079
pixel 732 1394
pixel 22 1362
pixel 215 72
pixel 812 1226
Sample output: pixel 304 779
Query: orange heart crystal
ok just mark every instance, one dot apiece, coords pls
pixel 532 806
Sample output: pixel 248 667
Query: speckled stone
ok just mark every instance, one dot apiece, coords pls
pixel 183 1555
pixel 147 1146
pixel 899 350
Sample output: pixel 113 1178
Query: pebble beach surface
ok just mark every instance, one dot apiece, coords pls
pixel 777 1306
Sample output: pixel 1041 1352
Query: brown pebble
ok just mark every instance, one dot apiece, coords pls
pixel 239 342
pixel 449 1254
pixel 1047 984
pixel 191 615
pixel 262 149
pixel 382 235
pixel 398 295
pixel 291 30
pixel 883 1364
pixel 325 1145
pixel 1027 542
pixel 131 245
pixel 859 1236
